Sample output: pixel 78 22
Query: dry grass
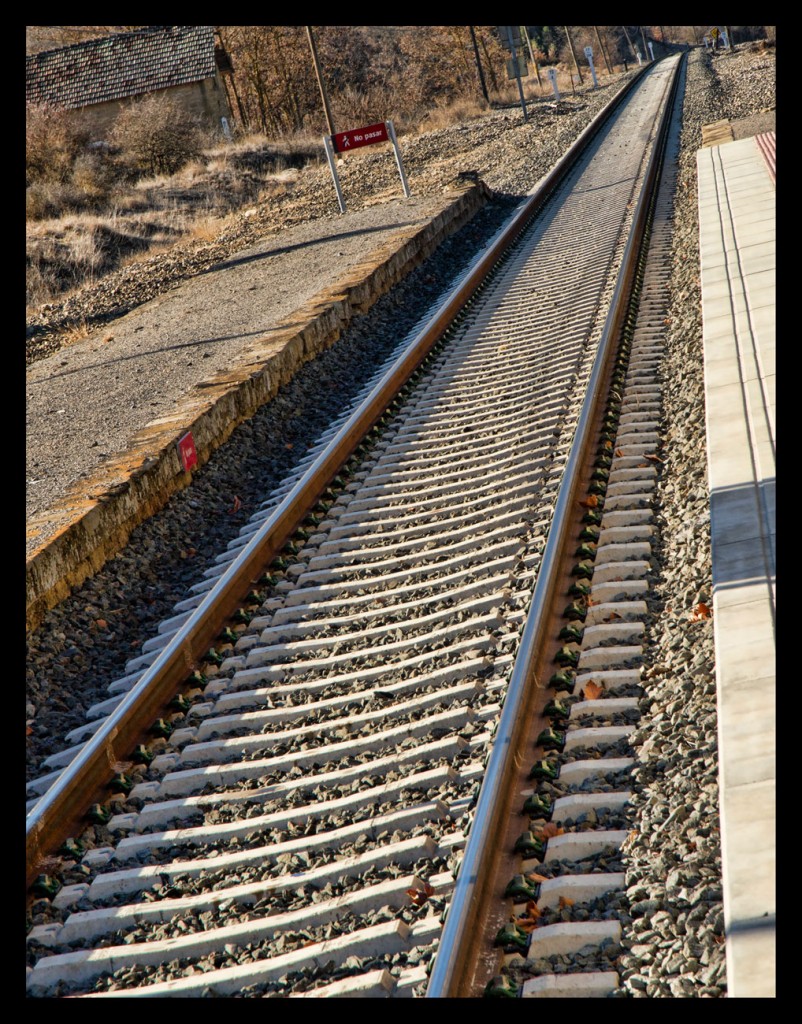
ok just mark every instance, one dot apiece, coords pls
pixel 63 254
pixel 445 115
pixel 77 232
pixel 77 331
pixel 206 229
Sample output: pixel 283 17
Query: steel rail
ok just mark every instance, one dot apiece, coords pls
pixel 60 811
pixel 454 964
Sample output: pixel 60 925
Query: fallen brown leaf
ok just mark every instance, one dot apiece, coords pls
pixel 565 902
pixel 590 502
pixel 702 611
pixel 419 896
pixel 549 830
pixel 530 917
pixel 593 690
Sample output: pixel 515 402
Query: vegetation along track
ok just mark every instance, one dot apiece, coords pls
pixel 302 829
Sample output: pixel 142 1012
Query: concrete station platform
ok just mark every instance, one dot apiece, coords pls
pixel 92 520
pixel 738 264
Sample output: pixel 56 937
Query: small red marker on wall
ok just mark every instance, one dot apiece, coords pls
pixel 186 450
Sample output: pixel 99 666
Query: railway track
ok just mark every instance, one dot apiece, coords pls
pixel 298 825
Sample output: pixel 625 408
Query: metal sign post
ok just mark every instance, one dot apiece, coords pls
pixel 399 164
pixel 330 158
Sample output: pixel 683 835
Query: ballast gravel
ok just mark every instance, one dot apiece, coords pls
pixel 672 942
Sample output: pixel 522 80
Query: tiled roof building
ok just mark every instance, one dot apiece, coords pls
pixel 103 73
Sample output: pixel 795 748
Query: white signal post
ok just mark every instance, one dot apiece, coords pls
pixel 553 79
pixel 589 55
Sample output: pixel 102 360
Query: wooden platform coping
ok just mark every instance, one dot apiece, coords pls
pixel 716 133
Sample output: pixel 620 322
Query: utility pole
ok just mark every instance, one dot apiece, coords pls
pixel 313 48
pixel 571 45
pixel 645 47
pixel 634 54
pixel 516 67
pixel 525 34
pixel 479 63
pixel 603 51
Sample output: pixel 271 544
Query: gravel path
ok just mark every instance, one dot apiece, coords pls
pixel 675 944
pixel 141 366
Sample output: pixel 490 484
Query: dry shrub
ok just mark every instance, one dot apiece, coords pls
pixel 74 251
pixel 40 285
pixel 353 108
pixel 53 139
pixel 156 136
pixel 45 198
pixel 95 174
pixel 64 171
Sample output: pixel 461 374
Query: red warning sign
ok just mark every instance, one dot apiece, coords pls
pixel 356 137
pixel 186 449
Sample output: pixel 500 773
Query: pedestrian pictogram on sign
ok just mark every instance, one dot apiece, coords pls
pixel 187 452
